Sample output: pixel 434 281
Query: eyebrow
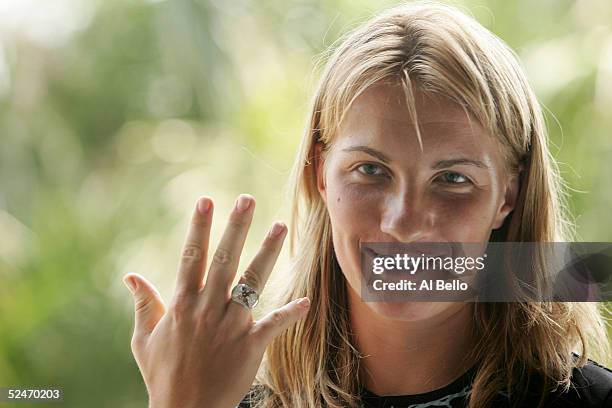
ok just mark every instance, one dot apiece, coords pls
pixel 372 152
pixel 459 161
pixel 439 164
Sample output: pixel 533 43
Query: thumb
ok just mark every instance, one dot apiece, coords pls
pixel 148 304
pixel 275 322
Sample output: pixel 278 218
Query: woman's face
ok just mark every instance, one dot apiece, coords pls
pixel 379 186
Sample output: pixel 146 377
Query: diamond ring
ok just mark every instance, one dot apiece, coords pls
pixel 245 295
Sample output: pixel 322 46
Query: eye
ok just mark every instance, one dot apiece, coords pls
pixel 452 177
pixel 371 169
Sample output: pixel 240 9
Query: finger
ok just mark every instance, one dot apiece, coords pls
pixel 190 277
pixel 277 321
pixel 148 304
pixel 227 256
pixel 257 273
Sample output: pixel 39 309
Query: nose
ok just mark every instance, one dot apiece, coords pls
pixel 409 218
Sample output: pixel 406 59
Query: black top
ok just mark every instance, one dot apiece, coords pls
pixel 591 387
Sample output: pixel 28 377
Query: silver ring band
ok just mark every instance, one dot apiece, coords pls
pixel 245 295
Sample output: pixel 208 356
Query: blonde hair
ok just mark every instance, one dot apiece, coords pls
pixel 446 53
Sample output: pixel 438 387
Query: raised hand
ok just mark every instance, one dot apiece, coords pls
pixel 204 349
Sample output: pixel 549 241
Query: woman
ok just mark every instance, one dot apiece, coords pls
pixel 423 129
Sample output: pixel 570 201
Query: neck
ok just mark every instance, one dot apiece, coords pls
pixel 410 357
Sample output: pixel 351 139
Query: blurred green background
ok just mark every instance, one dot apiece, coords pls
pixel 116 115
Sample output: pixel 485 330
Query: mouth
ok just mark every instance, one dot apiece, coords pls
pixel 369 254
pixel 412 249
pixel 382 253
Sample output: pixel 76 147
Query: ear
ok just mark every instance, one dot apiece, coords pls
pixel 510 198
pixel 319 164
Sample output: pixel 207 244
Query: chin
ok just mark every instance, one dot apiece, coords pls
pixel 410 311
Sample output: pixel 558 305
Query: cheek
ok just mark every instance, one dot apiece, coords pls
pixel 354 217
pixel 352 209
pixel 466 218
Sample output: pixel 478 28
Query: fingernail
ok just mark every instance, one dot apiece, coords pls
pixel 304 302
pixel 277 228
pixel 131 284
pixel 203 205
pixel 243 203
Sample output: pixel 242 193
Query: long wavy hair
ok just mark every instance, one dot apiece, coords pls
pixel 445 53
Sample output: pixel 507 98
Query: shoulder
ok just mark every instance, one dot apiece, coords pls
pixel 591 387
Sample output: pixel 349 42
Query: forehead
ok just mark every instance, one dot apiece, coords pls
pixel 381 115
pixel 388 101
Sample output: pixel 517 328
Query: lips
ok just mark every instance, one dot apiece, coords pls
pixel 382 252
pixel 385 252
